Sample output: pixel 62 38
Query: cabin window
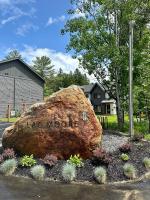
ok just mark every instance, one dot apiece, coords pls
pixel 97 96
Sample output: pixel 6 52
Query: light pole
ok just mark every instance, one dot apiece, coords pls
pixel 131 124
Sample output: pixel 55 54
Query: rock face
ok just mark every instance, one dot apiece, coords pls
pixel 65 124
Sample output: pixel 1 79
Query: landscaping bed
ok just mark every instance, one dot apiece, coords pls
pixel 113 165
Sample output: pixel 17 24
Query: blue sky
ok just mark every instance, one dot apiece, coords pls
pixel 33 27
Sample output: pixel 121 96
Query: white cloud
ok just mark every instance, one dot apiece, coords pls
pixel 11 10
pixel 9 19
pixel 59 59
pixel 25 28
pixel 55 20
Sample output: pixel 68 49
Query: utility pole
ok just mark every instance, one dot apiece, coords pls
pixel 131 121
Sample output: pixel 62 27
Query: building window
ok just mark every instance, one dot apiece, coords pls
pixel 87 95
pixel 97 96
pixel 6 74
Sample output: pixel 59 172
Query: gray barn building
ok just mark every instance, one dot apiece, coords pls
pixel 20 86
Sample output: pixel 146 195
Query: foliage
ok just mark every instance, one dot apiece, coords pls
pixel 8 167
pixel 101 157
pixel 125 148
pixel 27 161
pixel 8 154
pixel 129 171
pixel 50 160
pixel 68 172
pixel 137 137
pixel 147 137
pixel 43 66
pixel 13 54
pixel 99 38
pixel 146 162
pixel 100 175
pixel 63 80
pixel 38 172
pixel 76 160
pixel 124 157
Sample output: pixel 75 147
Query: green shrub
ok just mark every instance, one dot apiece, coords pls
pixel 146 162
pixel 129 171
pixel 68 172
pixel 8 167
pixel 38 172
pixel 76 160
pixel 147 137
pixel 100 175
pixel 124 157
pixel 27 161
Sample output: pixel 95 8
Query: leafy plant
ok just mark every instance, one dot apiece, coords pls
pixel 129 171
pixel 125 148
pixel 8 154
pixel 27 161
pixel 8 167
pixel 76 160
pixel 50 160
pixel 100 175
pixel 101 157
pixel 38 172
pixel 146 162
pixel 137 138
pixel 124 157
pixel 147 137
pixel 68 172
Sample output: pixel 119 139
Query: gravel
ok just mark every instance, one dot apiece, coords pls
pixel 112 142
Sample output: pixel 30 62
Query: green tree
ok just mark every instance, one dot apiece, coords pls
pixel 99 39
pixel 13 54
pixel 63 80
pixel 43 66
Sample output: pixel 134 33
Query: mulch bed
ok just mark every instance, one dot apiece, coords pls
pixel 114 169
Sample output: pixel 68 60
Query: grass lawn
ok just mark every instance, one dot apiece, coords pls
pixel 6 119
pixel 139 127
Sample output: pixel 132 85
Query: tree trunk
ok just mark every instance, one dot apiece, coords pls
pixel 148 115
pixel 120 115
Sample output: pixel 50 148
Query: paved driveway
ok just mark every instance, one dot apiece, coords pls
pixel 12 188
pixel 3 125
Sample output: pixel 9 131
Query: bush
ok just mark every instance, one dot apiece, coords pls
pixel 129 171
pixel 68 172
pixel 125 148
pixel 101 157
pixel 76 160
pixel 38 172
pixel 8 154
pixel 146 162
pixel 27 161
pixel 8 167
pixel 137 138
pixel 50 160
pixel 124 157
pixel 100 175
pixel 147 137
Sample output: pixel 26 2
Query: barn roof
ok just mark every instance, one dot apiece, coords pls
pixel 25 64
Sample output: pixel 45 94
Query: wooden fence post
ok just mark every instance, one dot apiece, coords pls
pixel 8 114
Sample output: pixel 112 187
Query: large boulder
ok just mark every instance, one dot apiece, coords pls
pixel 65 124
